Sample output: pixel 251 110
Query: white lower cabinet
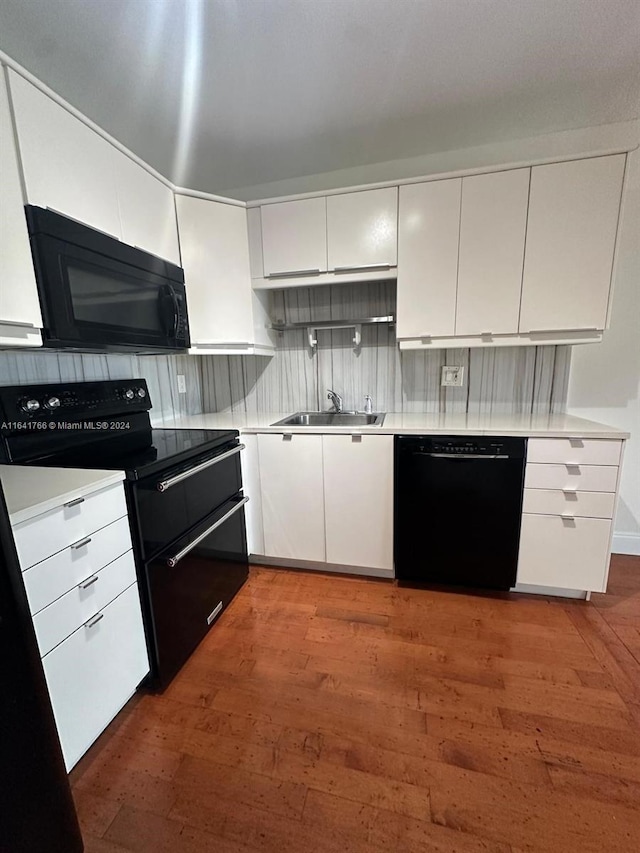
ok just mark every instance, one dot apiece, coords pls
pixel 292 496
pixel 94 671
pixel 358 494
pixel 570 553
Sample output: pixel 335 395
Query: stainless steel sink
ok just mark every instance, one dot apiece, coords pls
pixel 319 419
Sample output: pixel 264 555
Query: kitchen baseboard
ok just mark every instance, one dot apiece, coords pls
pixel 626 543
pixel 364 571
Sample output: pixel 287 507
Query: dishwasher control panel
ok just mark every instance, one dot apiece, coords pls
pixel 503 447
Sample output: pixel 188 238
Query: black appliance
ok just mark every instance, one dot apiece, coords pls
pixel 458 505
pixel 97 293
pixel 184 494
pixel 38 815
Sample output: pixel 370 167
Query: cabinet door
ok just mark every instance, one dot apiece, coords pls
pixel 67 166
pixel 571 235
pixel 429 228
pixel 362 230
pixel 358 494
pixel 19 304
pixel 292 496
pixel 492 231
pixel 566 553
pixel 215 257
pixel 147 210
pixel 94 672
pixel 294 237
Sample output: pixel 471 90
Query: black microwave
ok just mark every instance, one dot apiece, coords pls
pixel 99 294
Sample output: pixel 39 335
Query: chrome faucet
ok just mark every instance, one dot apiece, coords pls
pixel 336 399
pixel 368 404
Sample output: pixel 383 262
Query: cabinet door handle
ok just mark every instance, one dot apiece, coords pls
pixel 75 502
pixel 554 331
pixel 362 267
pixel 89 582
pixel 94 620
pixel 81 543
pixel 292 273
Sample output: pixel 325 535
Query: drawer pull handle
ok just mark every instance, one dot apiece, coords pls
pixel 163 485
pixel 94 620
pixel 75 502
pixel 572 468
pixel 172 562
pixel 576 442
pixel 89 582
pixel 81 543
pixel 570 491
pixel 214 612
pixel 569 519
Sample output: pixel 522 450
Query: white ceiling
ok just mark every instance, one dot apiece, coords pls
pixel 224 94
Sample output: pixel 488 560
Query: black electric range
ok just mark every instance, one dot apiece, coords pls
pixel 184 497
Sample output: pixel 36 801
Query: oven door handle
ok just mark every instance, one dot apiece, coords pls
pixel 172 562
pixel 163 485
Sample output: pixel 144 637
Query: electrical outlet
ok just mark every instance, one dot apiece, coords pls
pixel 452 376
pixel 182 384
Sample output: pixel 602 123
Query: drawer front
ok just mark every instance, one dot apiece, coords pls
pixel 94 672
pixel 79 605
pixel 48 580
pixel 557 502
pixel 582 478
pixel 46 534
pixel 578 451
pixel 570 554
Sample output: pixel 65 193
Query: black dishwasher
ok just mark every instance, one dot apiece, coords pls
pixel 458 505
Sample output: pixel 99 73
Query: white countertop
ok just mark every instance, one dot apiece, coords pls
pixel 549 426
pixel 30 491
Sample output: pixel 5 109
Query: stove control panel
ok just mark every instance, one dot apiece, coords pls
pixel 72 400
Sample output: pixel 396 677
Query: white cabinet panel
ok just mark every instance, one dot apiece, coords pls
pixel 94 672
pixel 571 554
pixel 215 256
pixel 294 237
pixel 429 226
pixel 557 502
pixel 46 534
pixel 571 234
pixel 292 496
pixel 19 303
pixel 251 487
pixel 587 478
pixel 62 617
pixel 492 232
pixel 362 229
pixel 67 166
pixel 51 578
pixel 358 493
pixel 574 451
pixel 147 210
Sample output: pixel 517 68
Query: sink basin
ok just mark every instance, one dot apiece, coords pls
pixel 319 419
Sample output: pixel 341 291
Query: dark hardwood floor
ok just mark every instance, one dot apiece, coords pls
pixel 326 714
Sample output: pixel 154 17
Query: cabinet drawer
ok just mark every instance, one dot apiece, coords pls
pixel 574 451
pixel 570 554
pixel 94 671
pixel 569 503
pixel 46 534
pixel 51 578
pixel 80 604
pixel 583 478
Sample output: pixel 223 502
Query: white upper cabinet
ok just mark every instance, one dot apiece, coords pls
pixel 294 237
pixel 224 313
pixel 147 210
pixel 362 230
pixel 571 235
pixel 429 227
pixel 67 166
pixel 492 234
pixel 20 318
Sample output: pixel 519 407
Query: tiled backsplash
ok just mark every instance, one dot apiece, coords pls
pixel 497 379
pixel 160 371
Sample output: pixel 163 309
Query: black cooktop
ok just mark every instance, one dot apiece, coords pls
pixel 169 448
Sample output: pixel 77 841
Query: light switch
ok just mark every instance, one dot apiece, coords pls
pixel 452 375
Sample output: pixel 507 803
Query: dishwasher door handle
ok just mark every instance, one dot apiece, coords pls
pixel 463 455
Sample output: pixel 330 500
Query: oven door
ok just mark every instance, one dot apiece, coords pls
pixel 90 300
pixel 191 582
pixel 170 504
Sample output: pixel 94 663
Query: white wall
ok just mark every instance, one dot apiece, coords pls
pixel 604 383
